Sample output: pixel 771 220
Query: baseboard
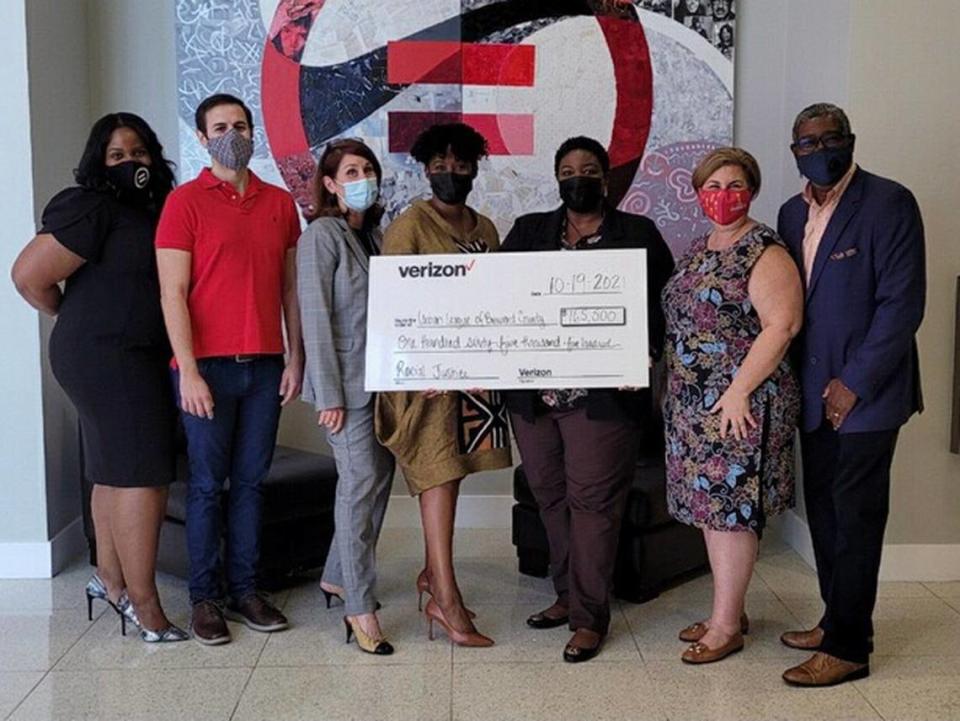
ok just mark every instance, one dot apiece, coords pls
pixel 900 561
pixel 472 512
pixel 42 559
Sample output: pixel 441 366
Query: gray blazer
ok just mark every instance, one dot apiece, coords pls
pixel 332 280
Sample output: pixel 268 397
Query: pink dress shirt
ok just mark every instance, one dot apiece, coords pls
pixel 818 217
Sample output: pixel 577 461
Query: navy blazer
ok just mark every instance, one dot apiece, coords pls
pixel 542 231
pixel 864 303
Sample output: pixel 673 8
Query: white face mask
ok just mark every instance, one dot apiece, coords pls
pixel 360 195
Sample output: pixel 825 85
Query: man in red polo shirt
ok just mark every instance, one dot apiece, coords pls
pixel 226 248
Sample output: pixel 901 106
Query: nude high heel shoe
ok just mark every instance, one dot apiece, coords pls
pixel 423 587
pixel 472 639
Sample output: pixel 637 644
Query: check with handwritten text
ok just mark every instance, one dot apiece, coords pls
pixel 558 319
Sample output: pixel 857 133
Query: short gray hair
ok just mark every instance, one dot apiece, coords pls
pixel 821 110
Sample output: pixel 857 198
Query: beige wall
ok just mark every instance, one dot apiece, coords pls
pixel 59 122
pixel 904 70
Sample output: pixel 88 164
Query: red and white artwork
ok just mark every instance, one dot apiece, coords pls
pixel 640 77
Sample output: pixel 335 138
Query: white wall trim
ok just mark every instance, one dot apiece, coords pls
pixel 901 561
pixel 493 511
pixel 25 559
pixel 42 559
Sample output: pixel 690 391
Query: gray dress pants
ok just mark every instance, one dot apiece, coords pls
pixel 365 470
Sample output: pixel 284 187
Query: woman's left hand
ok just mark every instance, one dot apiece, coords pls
pixel 734 410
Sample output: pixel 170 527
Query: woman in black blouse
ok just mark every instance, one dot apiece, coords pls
pixel 109 352
pixel 579 446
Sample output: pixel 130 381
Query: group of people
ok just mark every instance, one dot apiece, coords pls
pixel 208 297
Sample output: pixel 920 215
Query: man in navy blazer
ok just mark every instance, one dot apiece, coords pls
pixel 858 239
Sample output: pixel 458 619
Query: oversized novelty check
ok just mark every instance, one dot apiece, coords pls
pixel 562 319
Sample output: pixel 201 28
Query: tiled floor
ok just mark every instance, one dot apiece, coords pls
pixel 56 665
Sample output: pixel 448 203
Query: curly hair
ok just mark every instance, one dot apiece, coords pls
pixel 459 138
pixel 91 172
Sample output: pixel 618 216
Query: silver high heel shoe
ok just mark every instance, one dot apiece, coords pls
pixel 170 634
pixel 96 589
pixel 127 612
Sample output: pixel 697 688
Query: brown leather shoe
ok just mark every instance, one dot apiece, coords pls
pixel 257 613
pixel 207 624
pixel 803 640
pixel 822 669
pixel 695 631
pixel 701 653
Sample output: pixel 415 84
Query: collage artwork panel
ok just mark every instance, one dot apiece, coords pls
pixel 652 80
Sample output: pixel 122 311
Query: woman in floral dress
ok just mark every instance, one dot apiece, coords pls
pixel 733 305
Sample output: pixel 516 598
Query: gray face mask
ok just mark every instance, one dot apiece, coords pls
pixel 232 149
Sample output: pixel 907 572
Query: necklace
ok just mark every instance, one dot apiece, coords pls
pixel 568 221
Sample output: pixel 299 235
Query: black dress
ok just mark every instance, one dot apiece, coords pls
pixel 109 349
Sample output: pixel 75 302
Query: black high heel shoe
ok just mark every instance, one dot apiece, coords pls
pixel 330 595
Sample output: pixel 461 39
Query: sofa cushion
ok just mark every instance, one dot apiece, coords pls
pixel 300 484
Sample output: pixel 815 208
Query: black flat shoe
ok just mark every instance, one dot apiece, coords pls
pixel 574 653
pixel 542 621
pixel 578 654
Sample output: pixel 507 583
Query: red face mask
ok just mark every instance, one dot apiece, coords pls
pixel 725 206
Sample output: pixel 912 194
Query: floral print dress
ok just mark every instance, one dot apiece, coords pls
pixel 712 483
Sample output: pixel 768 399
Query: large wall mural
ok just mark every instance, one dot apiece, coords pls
pixel 653 80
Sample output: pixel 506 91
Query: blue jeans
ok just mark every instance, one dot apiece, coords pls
pixel 237 444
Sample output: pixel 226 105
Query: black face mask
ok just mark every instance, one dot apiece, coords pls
pixel 131 180
pixel 582 193
pixel 451 188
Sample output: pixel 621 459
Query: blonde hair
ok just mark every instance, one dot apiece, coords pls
pixel 722 157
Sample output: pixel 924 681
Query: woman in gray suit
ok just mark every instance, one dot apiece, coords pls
pixel 332 274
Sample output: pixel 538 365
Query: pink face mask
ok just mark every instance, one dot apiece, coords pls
pixel 725 206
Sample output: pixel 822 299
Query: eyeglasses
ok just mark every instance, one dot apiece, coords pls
pixel 810 143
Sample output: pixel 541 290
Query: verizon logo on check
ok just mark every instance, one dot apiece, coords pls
pixel 436 270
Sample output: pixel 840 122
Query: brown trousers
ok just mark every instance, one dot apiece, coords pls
pixel 580 471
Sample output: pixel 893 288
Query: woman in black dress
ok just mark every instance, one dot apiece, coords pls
pixel 109 352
